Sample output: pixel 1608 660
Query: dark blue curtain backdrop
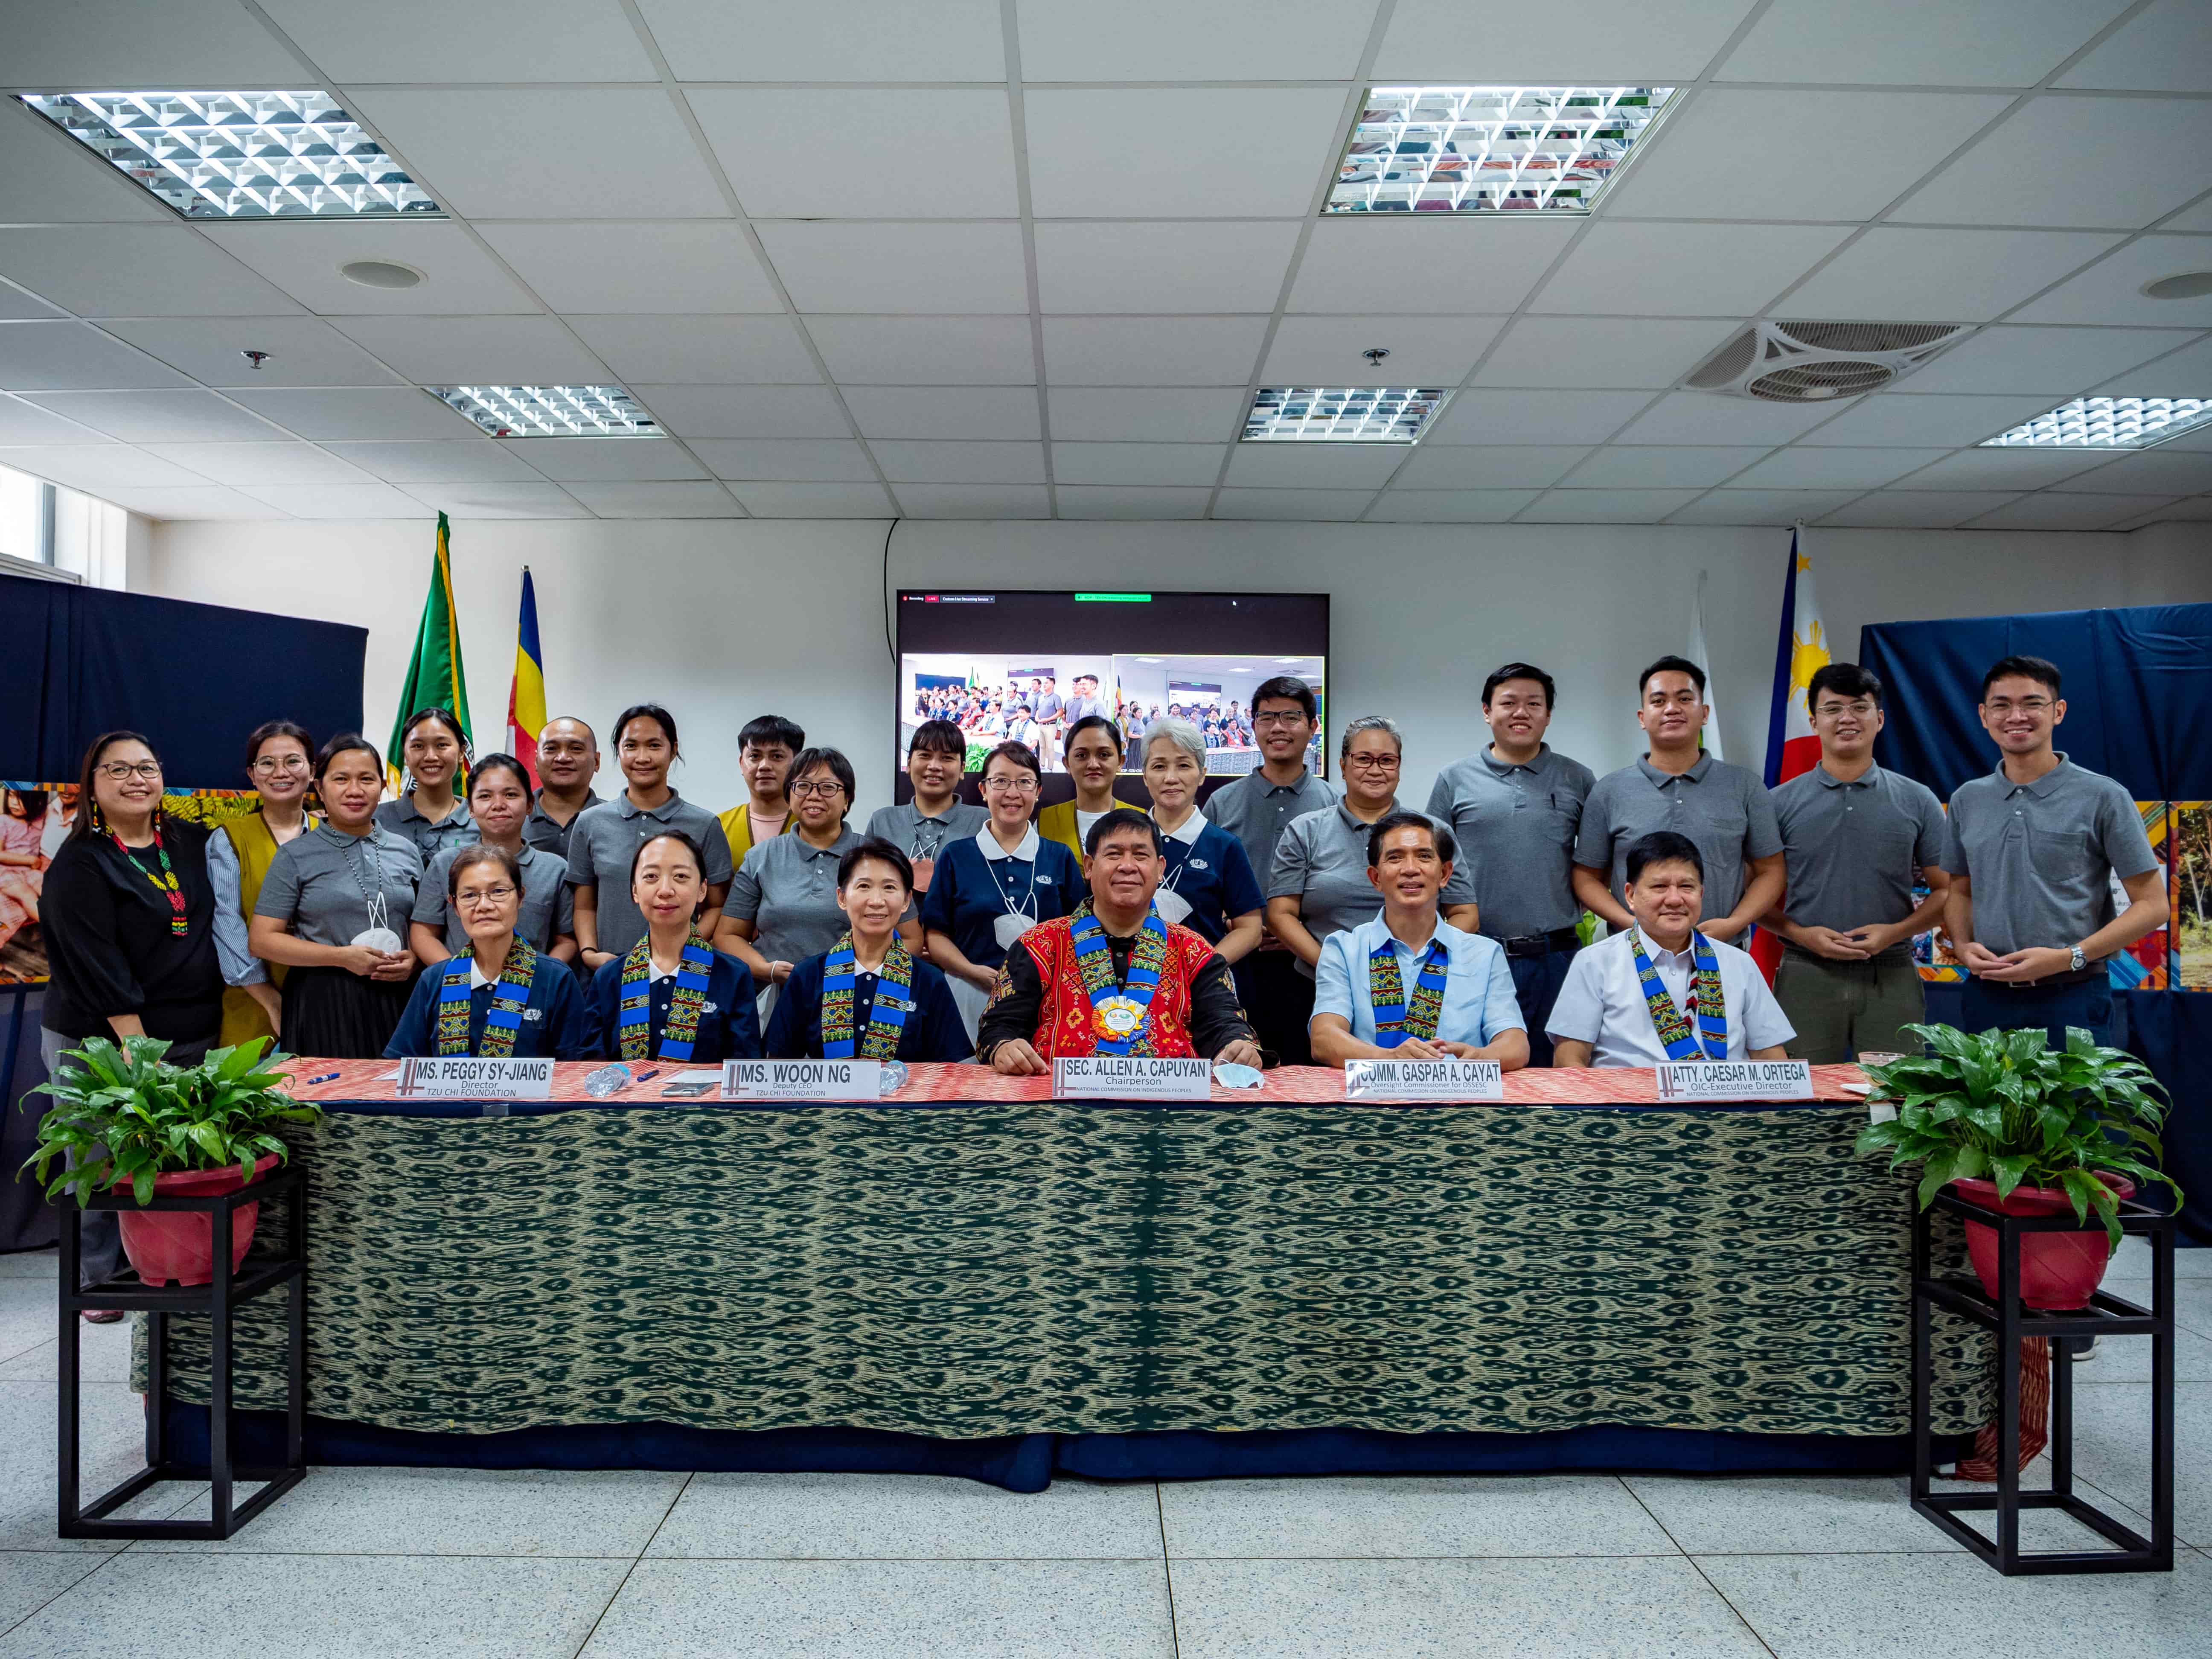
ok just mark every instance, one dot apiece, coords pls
pixel 2137 684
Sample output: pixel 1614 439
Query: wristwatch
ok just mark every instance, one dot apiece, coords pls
pixel 2078 962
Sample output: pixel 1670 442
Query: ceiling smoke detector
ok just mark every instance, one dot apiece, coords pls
pixel 1808 362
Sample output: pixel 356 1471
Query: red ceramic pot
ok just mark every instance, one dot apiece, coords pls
pixel 180 1244
pixel 2057 1271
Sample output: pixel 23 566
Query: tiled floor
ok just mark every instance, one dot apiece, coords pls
pixel 613 1565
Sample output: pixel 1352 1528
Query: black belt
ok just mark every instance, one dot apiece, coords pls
pixel 1542 944
pixel 2093 972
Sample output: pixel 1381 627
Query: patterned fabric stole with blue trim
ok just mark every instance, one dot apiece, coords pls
pixel 686 1002
pixel 887 1014
pixel 1120 1016
pixel 1675 1035
pixel 503 1021
pixel 1394 1022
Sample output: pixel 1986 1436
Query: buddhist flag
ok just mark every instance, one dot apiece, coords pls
pixel 435 678
pixel 1791 748
pixel 525 697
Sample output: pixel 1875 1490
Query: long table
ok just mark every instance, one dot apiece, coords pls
pixel 978 1277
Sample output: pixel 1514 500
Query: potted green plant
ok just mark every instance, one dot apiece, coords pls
pixel 126 1118
pixel 2026 1129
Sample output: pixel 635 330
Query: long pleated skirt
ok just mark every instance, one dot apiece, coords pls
pixel 331 1014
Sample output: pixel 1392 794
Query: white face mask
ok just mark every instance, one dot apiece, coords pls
pixel 1009 927
pixel 1173 906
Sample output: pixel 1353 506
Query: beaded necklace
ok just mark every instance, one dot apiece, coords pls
pixel 164 883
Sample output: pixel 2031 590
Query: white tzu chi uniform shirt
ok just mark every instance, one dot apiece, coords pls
pixel 1602 1003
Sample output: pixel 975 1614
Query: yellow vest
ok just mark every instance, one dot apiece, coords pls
pixel 737 829
pixel 1057 823
pixel 242 1017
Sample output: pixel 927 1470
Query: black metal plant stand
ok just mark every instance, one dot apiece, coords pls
pixel 218 1300
pixel 2105 1316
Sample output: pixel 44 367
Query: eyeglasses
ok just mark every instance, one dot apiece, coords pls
pixel 275 764
pixel 118 770
pixel 2025 705
pixel 825 790
pixel 473 895
pixel 1010 786
pixel 1372 763
pixel 1294 719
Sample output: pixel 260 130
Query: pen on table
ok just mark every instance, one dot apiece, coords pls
pixel 639 1077
pixel 325 1077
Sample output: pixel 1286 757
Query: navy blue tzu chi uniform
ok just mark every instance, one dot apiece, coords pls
pixel 551 1025
pixel 932 1030
pixel 729 1028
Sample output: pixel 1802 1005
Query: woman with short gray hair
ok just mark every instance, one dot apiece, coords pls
pixel 1209 886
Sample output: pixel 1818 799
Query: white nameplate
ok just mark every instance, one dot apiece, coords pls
pixel 1736 1079
pixel 1424 1079
pixel 455 1077
pixel 1132 1077
pixel 802 1079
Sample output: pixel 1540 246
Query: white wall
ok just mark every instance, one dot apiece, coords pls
pixel 722 619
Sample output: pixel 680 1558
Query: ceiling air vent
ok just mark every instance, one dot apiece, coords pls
pixel 1811 363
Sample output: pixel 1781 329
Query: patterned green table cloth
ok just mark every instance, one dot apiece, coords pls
pixel 995 1269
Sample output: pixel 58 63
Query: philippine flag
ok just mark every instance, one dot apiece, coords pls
pixel 1802 652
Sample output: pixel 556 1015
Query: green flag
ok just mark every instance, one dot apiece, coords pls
pixel 435 678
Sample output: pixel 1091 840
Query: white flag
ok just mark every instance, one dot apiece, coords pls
pixel 1698 654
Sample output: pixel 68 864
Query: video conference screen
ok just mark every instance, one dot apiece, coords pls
pixel 1025 666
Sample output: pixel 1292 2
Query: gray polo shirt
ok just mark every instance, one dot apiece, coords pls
pixel 1322 861
pixel 2042 855
pixel 431 839
pixel 548 903
pixel 1257 812
pixel 1517 828
pixel 320 883
pixel 549 834
pixel 1853 851
pixel 602 840
pixel 919 836
pixel 1724 809
pixel 787 889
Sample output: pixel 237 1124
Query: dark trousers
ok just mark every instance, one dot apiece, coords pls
pixel 1279 1001
pixel 1984 1007
pixel 1536 982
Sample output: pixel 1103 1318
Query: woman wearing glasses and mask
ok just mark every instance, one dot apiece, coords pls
pixel 279 760
pixel 994 886
pixel 499 999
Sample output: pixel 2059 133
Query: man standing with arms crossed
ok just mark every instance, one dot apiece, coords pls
pixel 1515 809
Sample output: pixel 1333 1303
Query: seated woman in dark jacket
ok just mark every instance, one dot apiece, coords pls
pixel 500 999
pixel 672 996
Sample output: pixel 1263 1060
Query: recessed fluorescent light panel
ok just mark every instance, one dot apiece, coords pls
pixel 551 411
pixel 2106 424
pixel 1482 149
pixel 241 154
pixel 1341 414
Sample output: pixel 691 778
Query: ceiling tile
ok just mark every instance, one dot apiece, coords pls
pixel 858 41
pixel 2086 160
pixel 1448 506
pixel 1704 418
pixel 2110 291
pixel 1887 141
pixel 1485 42
pixel 1151 350
pixel 1124 268
pixel 2166 48
pixel 624 153
pixel 952 501
pixel 2185 374
pixel 936 153
pixel 1362 264
pixel 1772 507
pixel 478 460
pixel 1909 43
pixel 148 417
pixel 1941 276
pixel 1212 39
pixel 658 501
pixel 779 459
pixel 483 40
pixel 904 269
pixel 14 303
pixel 367 413
pixel 1606 506
pixel 134 270
pixel 1919 509
pixel 1594 351
pixel 2047 510
pixel 1625 267
pixel 305 260
pixel 1481 417
pixel 1176 152
pixel 1130 502
pixel 700 351
pixel 606 460
pixel 97 468
pixel 970 411
pixel 2052 363
pixel 1338 505
pixel 1934 422
pixel 38 356
pixel 1488 466
pixel 689 265
pixel 815 500
pixel 499 501
pixel 2005 468
pixel 1804 468
pixel 302 350
pixel 927 460
pixel 1435 351
pixel 1313 465
pixel 2194 509
pixel 1646 466
pixel 1173 415
pixel 2198 218
pixel 285 462
pixel 128 43
pixel 2168 471
pixel 926 350
pixel 478 350
pixel 1194 464
pixel 53 179
pixel 746 412
pixel 187 502
pixel 27 423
